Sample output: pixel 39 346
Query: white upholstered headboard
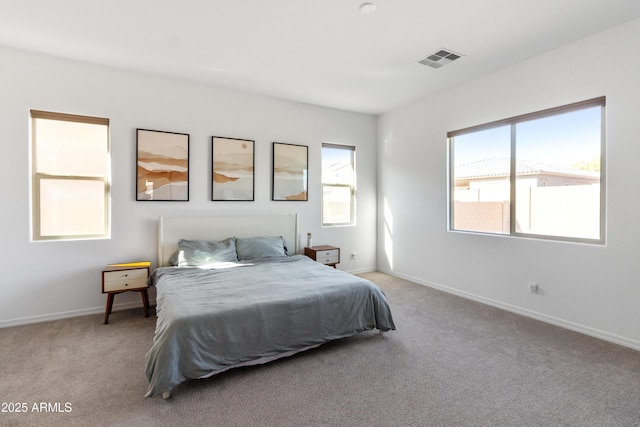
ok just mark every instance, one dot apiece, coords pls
pixel 217 228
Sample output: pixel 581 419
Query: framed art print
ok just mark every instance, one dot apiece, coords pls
pixel 232 163
pixel 289 177
pixel 162 166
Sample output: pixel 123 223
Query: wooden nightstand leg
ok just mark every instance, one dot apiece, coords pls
pixel 145 301
pixel 107 310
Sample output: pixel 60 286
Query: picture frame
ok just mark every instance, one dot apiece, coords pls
pixel 232 169
pixel 162 166
pixel 289 172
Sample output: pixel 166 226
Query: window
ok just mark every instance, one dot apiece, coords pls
pixel 70 176
pixel 538 175
pixel 338 184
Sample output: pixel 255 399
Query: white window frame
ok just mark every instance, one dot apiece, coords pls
pixel 352 187
pixel 37 177
pixel 513 121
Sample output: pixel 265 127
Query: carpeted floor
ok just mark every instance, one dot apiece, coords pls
pixel 452 362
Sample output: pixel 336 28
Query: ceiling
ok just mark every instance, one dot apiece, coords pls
pixel 322 52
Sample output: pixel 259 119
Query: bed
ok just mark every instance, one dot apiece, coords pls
pixel 241 295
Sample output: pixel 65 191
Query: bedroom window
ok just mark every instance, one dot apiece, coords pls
pixel 338 184
pixel 537 175
pixel 70 176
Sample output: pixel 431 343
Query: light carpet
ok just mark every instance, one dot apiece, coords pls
pixel 451 362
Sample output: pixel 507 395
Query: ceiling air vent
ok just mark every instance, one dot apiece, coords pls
pixel 440 58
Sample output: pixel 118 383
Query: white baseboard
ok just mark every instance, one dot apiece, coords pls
pixel 616 339
pixel 363 270
pixel 68 314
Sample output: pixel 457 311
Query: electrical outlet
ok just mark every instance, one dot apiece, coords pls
pixel 533 287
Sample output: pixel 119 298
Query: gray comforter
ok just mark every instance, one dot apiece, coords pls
pixel 211 320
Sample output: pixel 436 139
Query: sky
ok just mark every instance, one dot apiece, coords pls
pixel 560 140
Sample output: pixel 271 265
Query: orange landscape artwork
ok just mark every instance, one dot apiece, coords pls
pixel 290 173
pixel 232 165
pixel 162 166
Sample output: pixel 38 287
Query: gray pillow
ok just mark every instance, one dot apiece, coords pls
pixel 260 247
pixel 173 260
pixel 198 253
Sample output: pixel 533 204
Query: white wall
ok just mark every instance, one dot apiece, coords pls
pixel 591 288
pixel 45 280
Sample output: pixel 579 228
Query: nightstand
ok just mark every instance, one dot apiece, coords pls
pixel 328 255
pixel 118 278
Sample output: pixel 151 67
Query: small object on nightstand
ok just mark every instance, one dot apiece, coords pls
pixel 325 254
pixel 118 278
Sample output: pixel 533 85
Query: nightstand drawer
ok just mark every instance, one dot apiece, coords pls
pixel 325 254
pixel 328 257
pixel 121 280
